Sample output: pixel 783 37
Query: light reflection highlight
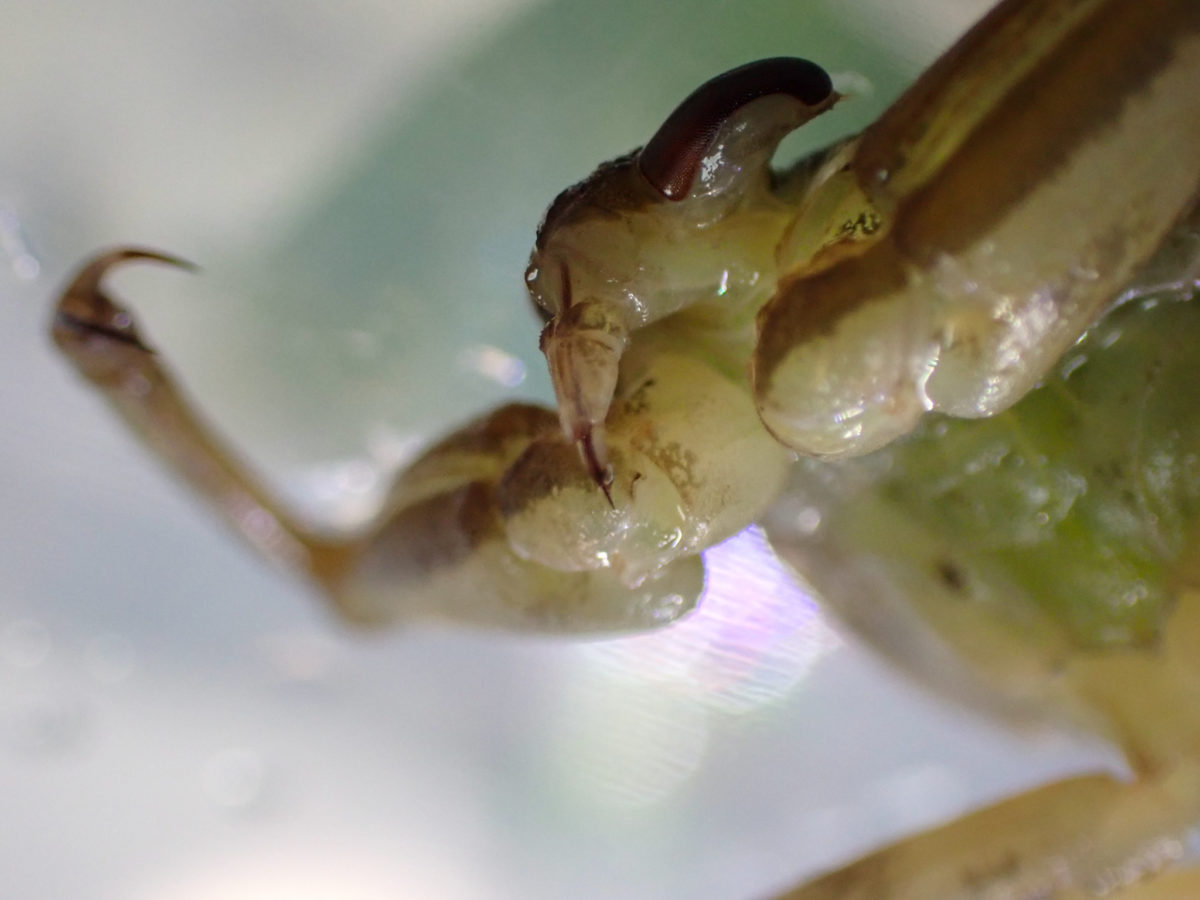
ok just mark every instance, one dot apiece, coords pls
pixel 345 493
pixel 494 364
pixel 627 742
pixel 640 709
pixel 758 627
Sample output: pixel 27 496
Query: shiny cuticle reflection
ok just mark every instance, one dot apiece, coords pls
pixel 413 764
pixel 638 712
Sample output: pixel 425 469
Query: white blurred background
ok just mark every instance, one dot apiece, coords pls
pixel 361 184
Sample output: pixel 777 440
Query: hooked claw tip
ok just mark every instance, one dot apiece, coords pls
pixel 118 256
pixel 85 308
pixel 123 254
pixel 598 468
pixel 88 279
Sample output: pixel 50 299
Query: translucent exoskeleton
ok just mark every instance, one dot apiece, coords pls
pixel 972 323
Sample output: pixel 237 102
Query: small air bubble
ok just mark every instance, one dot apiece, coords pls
pixel 808 520
pixel 1135 595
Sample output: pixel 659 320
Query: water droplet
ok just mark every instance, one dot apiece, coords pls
pixel 808 520
pixel 1137 592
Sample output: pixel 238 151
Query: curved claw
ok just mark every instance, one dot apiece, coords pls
pixel 583 347
pixel 84 306
pixel 595 458
pixel 672 159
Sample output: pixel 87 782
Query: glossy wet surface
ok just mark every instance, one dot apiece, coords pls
pixel 176 720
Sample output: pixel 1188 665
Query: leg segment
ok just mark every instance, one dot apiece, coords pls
pixel 1077 838
pixel 102 341
pixel 440 548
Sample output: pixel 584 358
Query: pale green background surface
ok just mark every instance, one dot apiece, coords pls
pixel 361 185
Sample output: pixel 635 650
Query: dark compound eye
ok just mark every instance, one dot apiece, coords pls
pixel 671 160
